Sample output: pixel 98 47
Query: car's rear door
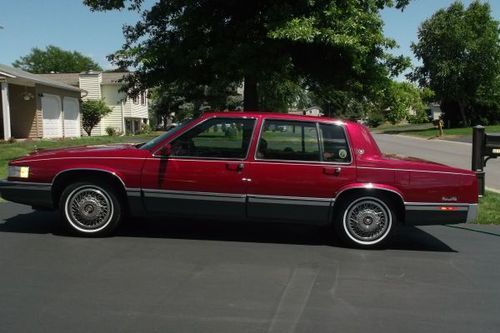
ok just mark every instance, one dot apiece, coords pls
pixel 297 169
pixel 205 173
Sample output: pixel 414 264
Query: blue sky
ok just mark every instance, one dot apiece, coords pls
pixel 72 26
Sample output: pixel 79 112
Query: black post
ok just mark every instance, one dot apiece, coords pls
pixel 478 137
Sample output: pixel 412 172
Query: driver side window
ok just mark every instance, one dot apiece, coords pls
pixel 215 138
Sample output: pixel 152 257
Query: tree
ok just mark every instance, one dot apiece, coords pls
pixel 55 59
pixel 399 98
pixel 201 43
pixel 92 113
pixel 460 51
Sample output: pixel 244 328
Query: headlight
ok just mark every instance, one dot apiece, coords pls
pixel 19 171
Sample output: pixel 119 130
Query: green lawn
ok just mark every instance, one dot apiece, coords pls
pixel 10 151
pixel 489 208
pixel 429 131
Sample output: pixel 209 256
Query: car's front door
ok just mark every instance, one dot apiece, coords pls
pixel 298 168
pixel 205 172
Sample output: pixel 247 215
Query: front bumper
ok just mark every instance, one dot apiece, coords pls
pixel 33 194
pixel 434 214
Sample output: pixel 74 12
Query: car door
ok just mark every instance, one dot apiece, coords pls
pixel 205 172
pixel 297 169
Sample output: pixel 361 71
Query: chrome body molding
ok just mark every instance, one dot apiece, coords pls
pixel 192 195
pixel 289 200
pixel 89 169
pixel 440 213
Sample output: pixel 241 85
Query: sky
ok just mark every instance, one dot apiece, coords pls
pixel 70 25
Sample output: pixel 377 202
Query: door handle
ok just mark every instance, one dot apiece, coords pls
pixel 235 166
pixel 332 171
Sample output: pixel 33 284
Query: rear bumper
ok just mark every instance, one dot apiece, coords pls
pixel 34 194
pixel 438 214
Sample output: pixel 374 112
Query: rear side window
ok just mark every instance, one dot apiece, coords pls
pixel 288 140
pixel 215 138
pixel 334 143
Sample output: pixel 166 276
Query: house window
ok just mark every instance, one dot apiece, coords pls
pixel 143 98
pixel 136 100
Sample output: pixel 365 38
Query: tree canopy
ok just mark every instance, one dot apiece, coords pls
pixel 199 45
pixel 460 52
pixel 55 59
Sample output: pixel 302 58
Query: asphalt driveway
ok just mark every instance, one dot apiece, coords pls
pixel 195 276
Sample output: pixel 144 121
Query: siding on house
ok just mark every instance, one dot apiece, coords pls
pixel 91 83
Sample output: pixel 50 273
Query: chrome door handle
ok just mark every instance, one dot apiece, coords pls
pixel 235 166
pixel 332 171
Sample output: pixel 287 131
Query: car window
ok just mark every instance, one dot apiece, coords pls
pixel 215 138
pixel 334 143
pixel 288 140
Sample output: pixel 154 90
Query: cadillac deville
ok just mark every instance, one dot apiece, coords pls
pixel 251 167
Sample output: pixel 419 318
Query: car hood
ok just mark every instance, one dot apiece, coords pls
pixel 113 150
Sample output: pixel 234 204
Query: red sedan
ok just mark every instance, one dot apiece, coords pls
pixel 247 166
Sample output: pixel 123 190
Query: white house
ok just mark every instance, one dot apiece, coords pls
pixel 128 114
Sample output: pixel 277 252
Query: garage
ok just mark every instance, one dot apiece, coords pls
pixel 71 114
pixel 52 116
pixel 33 106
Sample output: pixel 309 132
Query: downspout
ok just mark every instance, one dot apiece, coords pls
pixel 123 117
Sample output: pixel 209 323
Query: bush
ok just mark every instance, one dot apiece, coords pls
pixel 375 119
pixel 145 129
pixel 419 118
pixel 92 113
pixel 111 131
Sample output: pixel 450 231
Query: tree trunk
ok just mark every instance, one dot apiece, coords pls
pixel 461 107
pixel 250 97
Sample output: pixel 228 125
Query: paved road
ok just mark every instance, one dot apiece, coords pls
pixel 448 152
pixel 191 276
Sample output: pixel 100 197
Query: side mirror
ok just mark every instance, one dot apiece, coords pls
pixel 166 150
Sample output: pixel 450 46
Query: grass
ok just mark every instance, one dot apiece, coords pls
pixel 489 208
pixel 10 151
pixel 428 130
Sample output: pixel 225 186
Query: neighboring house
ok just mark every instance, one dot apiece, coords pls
pixel 128 114
pixel 435 111
pixel 33 106
pixel 312 111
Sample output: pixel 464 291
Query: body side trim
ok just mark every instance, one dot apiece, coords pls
pixel 89 169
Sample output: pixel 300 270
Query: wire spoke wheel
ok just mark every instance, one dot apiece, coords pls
pixel 89 208
pixel 367 221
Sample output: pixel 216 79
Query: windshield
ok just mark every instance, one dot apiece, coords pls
pixel 153 142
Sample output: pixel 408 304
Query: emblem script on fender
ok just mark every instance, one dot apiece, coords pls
pixel 448 199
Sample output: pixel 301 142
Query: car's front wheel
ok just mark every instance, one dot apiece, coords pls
pixel 90 209
pixel 365 222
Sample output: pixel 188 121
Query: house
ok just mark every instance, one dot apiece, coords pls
pixel 312 111
pixel 128 115
pixel 33 106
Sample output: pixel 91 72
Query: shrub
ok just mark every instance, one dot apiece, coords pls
pixel 375 119
pixel 92 113
pixel 111 131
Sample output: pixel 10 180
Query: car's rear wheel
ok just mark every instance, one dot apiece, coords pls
pixel 90 209
pixel 366 221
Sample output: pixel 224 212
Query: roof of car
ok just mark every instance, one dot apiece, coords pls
pixel 278 115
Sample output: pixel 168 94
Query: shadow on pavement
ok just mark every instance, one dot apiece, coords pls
pixel 406 237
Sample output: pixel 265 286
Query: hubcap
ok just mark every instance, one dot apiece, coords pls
pixel 89 208
pixel 367 221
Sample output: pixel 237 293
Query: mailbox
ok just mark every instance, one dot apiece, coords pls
pixel 492 145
